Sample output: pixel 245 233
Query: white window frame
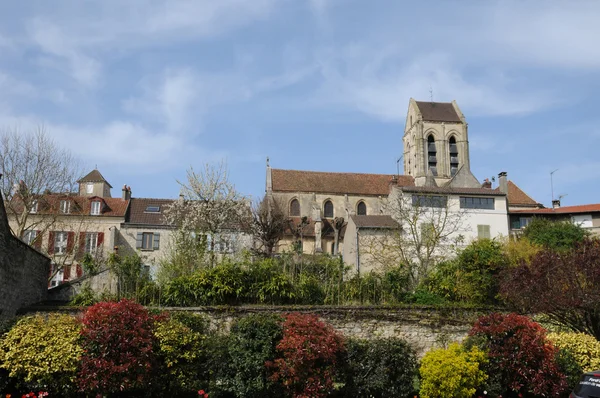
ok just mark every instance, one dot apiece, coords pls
pixel 484 231
pixel 89 188
pixel 60 242
pixel 65 206
pixel 34 207
pixel 91 242
pixel 57 279
pixel 29 236
pixel 95 208
pixel 147 241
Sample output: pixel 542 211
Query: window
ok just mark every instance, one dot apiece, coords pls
pixel 429 201
pixel 152 209
pixel 328 209
pixel 34 207
pixel 453 156
pixel 431 155
pixel 65 206
pixel 584 221
pixel 95 208
pixel 89 188
pixel 60 242
pixel 524 221
pixel 58 275
pixel 147 241
pixel 361 209
pixel 91 242
pixel 295 208
pixel 483 232
pixel 476 203
pixel 29 237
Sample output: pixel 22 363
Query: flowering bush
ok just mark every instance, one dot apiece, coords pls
pixel 521 357
pixel 585 348
pixel 43 351
pixel 117 340
pixel 307 356
pixel 454 372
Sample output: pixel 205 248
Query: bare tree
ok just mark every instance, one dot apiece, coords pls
pixel 209 206
pixel 268 224
pixel 428 227
pixel 32 165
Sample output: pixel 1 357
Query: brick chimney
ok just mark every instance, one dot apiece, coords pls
pixel 503 182
pixel 556 203
pixel 487 184
pixel 126 192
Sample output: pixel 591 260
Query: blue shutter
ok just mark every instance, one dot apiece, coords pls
pixel 156 241
pixel 138 240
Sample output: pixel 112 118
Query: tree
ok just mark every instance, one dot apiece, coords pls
pixel 268 224
pixel 558 235
pixel 209 207
pixel 32 165
pixel 562 285
pixel 427 227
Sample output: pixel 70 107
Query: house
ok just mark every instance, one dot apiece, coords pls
pixel 346 212
pixel 586 216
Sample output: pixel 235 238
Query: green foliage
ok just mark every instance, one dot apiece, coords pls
pixel 268 283
pixel 179 350
pixel 89 264
pixel 197 323
pixel 556 235
pixel 43 351
pixel 520 251
pixel 585 348
pixel 185 256
pixel 569 366
pixel 472 277
pixel 129 271
pixel 380 368
pixel 85 297
pixel 453 372
pixel 252 342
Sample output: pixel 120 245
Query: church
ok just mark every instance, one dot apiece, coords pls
pixel 436 199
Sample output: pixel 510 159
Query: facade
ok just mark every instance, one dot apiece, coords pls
pixel 586 216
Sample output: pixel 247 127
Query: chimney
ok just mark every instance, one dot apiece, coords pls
pixel 503 182
pixel 126 192
pixel 556 203
pixel 487 184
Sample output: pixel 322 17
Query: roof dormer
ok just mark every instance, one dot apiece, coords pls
pixel 94 184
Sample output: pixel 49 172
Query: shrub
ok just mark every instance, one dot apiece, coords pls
pixel 117 340
pixel 269 284
pixel 307 356
pixel 252 342
pixel 585 348
pixel 522 359
pixel 555 235
pixel 85 297
pixel 453 372
pixel 43 351
pixel 380 368
pixel 179 350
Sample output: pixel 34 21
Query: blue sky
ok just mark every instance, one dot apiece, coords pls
pixel 146 89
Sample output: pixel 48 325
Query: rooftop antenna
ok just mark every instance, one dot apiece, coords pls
pixel 552 183
pixel 398 164
pixel 430 93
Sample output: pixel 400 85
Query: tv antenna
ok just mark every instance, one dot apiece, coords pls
pixel 430 93
pixel 398 165
pixel 552 183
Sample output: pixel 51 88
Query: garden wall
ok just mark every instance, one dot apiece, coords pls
pixel 23 271
pixel 422 327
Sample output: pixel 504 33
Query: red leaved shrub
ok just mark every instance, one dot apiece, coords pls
pixel 117 339
pixel 522 360
pixel 306 356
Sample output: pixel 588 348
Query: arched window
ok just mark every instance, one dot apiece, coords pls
pixel 361 209
pixel 453 156
pixel 328 209
pixel 295 208
pixel 431 154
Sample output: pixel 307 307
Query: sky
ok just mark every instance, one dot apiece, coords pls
pixel 144 90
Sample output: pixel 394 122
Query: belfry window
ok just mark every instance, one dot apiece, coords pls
pixel 328 209
pixel 431 155
pixel 453 156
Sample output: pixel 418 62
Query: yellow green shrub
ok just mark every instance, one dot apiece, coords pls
pixel 584 348
pixel 42 350
pixel 452 373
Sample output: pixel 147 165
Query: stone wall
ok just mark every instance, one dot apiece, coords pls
pixel 23 271
pixel 103 281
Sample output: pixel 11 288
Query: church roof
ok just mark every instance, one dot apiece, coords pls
pixel 335 183
pixel 94 176
pixel 438 112
pixel 517 197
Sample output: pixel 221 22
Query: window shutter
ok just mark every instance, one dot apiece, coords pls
pixel 51 242
pixel 78 270
pixel 100 239
pixel 486 231
pixel 70 242
pixel 81 244
pixel 37 242
pixel 138 240
pixel 156 241
pixel 66 272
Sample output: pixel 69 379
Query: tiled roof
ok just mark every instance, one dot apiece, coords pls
pixel 591 208
pixel 516 196
pixel 138 214
pixel 456 191
pixel 80 205
pixel 374 221
pixel 438 112
pixel 335 183
pixel 94 176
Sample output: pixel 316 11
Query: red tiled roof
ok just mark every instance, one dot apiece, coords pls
pixel 138 215
pixel 80 205
pixel 374 221
pixel 335 183
pixel 438 112
pixel 591 208
pixel 517 197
